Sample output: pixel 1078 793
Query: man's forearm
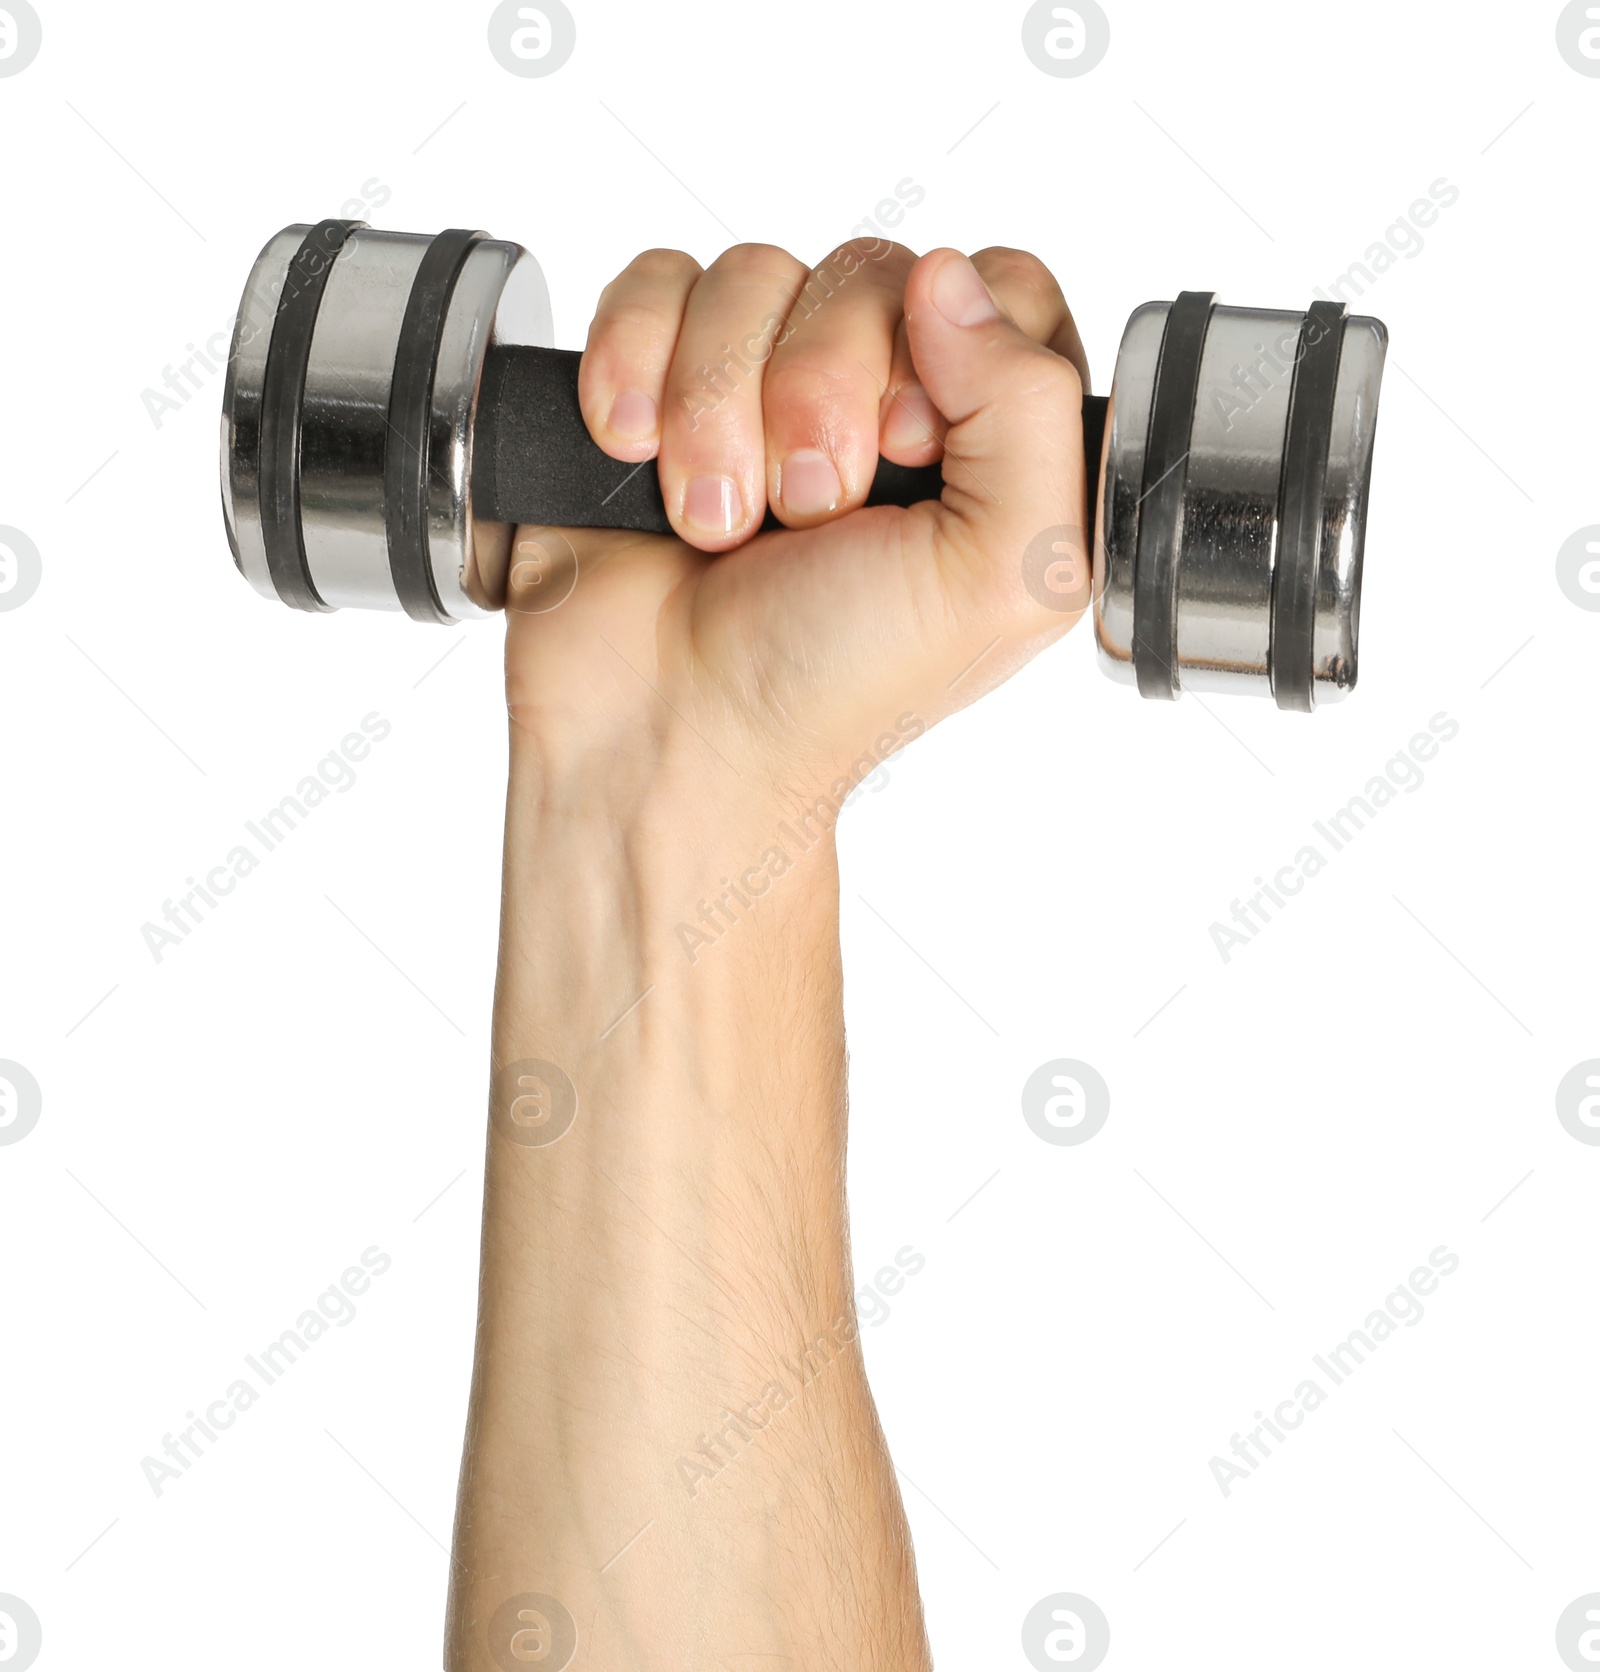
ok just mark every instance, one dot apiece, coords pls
pixel 670 1430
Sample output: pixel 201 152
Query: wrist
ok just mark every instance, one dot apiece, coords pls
pixel 663 849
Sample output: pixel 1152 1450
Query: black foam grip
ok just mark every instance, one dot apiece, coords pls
pixel 534 461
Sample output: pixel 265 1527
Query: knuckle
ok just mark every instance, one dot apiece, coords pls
pixel 1045 385
pixel 1068 379
pixel 765 264
pixel 858 252
pixel 1020 268
pixel 675 266
pixel 1059 382
pixel 808 381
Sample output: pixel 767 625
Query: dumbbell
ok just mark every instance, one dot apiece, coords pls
pixel 394 408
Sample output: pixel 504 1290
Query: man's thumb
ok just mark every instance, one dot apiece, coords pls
pixel 1014 469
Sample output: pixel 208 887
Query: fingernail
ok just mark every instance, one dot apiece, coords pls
pixel 633 416
pixel 808 483
pixel 912 418
pixel 960 295
pixel 713 503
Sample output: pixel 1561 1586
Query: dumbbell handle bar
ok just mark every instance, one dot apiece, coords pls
pixel 534 461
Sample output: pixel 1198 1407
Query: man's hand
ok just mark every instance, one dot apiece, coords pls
pixel 758 382
pixel 672 1459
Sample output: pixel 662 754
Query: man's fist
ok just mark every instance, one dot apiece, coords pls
pixel 759 382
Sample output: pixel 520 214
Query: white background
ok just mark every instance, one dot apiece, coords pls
pixel 225 1131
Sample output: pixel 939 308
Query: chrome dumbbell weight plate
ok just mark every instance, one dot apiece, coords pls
pixel 1234 487
pixel 348 413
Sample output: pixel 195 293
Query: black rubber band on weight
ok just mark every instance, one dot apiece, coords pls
pixel 406 465
pixel 1159 543
pixel 1308 435
pixel 283 389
